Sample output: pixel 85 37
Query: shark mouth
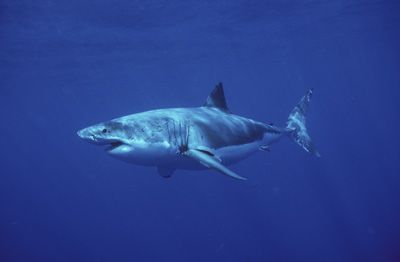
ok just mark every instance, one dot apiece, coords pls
pixel 113 145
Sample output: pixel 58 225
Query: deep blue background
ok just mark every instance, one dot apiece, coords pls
pixel 68 64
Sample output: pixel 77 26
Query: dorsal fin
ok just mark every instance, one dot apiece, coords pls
pixel 217 98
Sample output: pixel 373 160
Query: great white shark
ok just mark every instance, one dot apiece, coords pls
pixel 205 137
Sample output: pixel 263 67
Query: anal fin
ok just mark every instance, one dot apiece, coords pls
pixel 212 162
pixel 264 148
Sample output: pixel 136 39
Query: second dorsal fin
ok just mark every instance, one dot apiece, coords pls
pixel 217 98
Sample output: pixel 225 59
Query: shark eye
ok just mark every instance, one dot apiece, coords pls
pixel 104 130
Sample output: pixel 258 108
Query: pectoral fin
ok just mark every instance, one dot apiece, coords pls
pixel 210 161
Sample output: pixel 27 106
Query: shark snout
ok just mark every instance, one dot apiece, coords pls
pixel 86 135
pixel 80 133
pixel 96 135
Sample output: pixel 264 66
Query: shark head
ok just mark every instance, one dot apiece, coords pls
pixel 109 134
pixel 124 142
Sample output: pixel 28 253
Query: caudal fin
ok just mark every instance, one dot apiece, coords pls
pixel 297 125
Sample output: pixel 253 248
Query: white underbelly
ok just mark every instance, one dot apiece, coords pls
pixel 163 155
pixel 228 155
pixel 235 153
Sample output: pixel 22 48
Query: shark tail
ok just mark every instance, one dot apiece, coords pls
pixel 296 125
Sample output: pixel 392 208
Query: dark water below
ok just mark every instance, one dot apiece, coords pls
pixel 67 64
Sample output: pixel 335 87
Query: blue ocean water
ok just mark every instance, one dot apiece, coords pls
pixel 65 65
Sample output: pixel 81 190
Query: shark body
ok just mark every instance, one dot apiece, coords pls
pixel 206 137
